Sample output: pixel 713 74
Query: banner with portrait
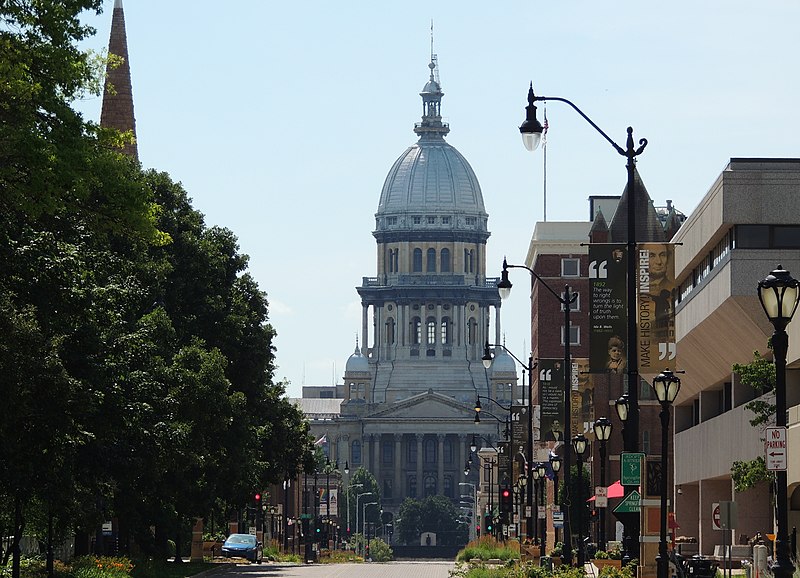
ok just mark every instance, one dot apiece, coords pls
pixel 655 308
pixel 582 401
pixel 551 400
pixel 607 308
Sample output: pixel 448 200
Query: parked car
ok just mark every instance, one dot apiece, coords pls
pixel 243 546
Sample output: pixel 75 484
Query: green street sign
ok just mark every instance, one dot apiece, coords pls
pixel 630 504
pixel 631 469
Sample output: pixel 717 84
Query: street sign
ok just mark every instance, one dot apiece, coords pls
pixel 631 469
pixel 629 504
pixel 558 519
pixel 716 522
pixel 528 511
pixel 775 448
pixel 542 512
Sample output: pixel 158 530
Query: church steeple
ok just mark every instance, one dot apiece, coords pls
pixel 117 111
pixel 432 126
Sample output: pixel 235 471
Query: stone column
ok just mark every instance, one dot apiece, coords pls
pixel 364 329
pixel 398 460
pixel 366 450
pixel 440 464
pixel 375 457
pixel 462 456
pixel 420 437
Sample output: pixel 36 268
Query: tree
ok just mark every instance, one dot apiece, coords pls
pixel 435 514
pixel 760 375
pixel 361 482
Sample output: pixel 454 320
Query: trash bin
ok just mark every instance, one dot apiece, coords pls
pixel 546 562
pixel 700 567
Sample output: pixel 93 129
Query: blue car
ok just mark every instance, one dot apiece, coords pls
pixel 243 546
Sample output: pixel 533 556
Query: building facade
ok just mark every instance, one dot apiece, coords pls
pixel 405 410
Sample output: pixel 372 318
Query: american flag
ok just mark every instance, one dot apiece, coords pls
pixel 322 440
pixel 544 132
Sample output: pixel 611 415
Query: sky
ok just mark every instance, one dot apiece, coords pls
pixel 282 120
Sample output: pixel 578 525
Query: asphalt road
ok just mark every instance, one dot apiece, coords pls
pixel 422 569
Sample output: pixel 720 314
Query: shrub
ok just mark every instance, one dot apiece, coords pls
pixel 486 548
pixel 558 549
pixel 601 555
pixel 380 551
pixel 613 572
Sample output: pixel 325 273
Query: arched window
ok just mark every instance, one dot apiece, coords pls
pixel 353 390
pixel 355 452
pixel 429 451
pixel 416 331
pixel 445 335
pixel 431 333
pixel 411 451
pixel 390 331
pixel 431 261
pixel 469 261
pixel 430 486
pixel 472 328
pixel 416 266
pixel 445 261
pixel 448 451
pixel 412 486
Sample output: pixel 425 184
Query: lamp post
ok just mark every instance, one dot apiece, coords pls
pixel 535 504
pixel 287 483
pixel 364 518
pixel 542 469
pixel 358 497
pixel 555 464
pixel 779 294
pixel 602 433
pixel 350 484
pixel 566 300
pixel 666 385
pixel 579 443
pixel 487 363
pixel 531 131
pixel 472 531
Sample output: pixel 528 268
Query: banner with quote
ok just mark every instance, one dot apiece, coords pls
pixel 655 308
pixel 582 402
pixel 551 400
pixel 607 311
pixel 519 436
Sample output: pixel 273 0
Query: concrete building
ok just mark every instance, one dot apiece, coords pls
pixel 405 409
pixel 747 224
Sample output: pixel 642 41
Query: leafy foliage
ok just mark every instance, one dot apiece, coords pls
pixel 748 474
pixel 380 551
pixel 435 514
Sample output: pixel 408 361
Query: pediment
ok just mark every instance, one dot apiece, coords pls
pixel 430 406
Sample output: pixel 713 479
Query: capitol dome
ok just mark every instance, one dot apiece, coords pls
pixel 502 362
pixel 431 185
pixel 357 362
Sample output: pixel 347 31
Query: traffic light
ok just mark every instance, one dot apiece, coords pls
pixel 506 500
pixel 478 530
pixel 487 523
pixel 257 498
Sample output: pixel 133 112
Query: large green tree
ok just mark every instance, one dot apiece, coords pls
pixel 435 514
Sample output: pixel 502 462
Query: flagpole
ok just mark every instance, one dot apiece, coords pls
pixel 544 161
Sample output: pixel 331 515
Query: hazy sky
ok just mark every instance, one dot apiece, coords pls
pixel 282 119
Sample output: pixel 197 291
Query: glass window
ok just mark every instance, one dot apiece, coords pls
pixel 752 236
pixel 387 451
pixel 411 451
pixel 355 452
pixel 417 220
pixel 445 261
pixel 431 261
pixel 412 486
pixel 570 267
pixel 574 335
pixel 431 326
pixel 416 266
pixel 445 220
pixel 575 305
pixel 445 331
pixel 431 220
pixel 429 449
pixel 430 486
pixel 416 331
pixel 786 237
pixel 472 329
pixel 448 451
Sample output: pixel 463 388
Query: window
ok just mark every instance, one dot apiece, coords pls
pixel 429 450
pixel 417 220
pixel 445 261
pixel 786 236
pixel 445 220
pixel 355 452
pixel 469 261
pixel 575 305
pixel 752 236
pixel 430 486
pixel 416 331
pixel 357 391
pixel 445 336
pixel 646 442
pixel 390 331
pixel 412 486
pixel 472 331
pixel 448 487
pixel 387 452
pixel 411 451
pixel 431 326
pixel 393 259
pixel 448 451
pixel 431 220
pixel 472 221
pixel 574 335
pixel 391 220
pixel 570 267
pixel 431 261
pixel 416 266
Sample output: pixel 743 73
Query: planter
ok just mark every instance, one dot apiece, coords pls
pixel 212 548
pixel 530 552
pixel 601 563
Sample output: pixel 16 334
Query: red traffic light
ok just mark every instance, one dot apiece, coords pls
pixel 257 497
pixel 506 493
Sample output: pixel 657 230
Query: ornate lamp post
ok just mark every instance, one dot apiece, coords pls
pixel 542 470
pixel 779 294
pixel 666 385
pixel 531 131
pixel 537 538
pixel 579 443
pixel 566 301
pixel 555 464
pixel 602 433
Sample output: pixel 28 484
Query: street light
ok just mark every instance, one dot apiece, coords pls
pixel 487 363
pixel 472 531
pixel 364 517
pixel 555 464
pixel 666 385
pixel 358 497
pixel 566 300
pixel 579 443
pixel 535 505
pixel 779 294
pixel 531 131
pixel 602 433
pixel 542 469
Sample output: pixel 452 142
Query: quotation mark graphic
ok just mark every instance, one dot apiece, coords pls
pixel 665 349
pixel 598 271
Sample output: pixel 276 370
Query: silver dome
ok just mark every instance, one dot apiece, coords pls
pixel 503 363
pixel 356 363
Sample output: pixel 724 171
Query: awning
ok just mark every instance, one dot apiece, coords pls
pixel 615 490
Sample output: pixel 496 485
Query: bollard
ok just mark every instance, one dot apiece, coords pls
pixel 759 561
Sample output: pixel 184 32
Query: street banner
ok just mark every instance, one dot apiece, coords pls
pixel 607 308
pixel 504 463
pixel 582 402
pixel 551 400
pixel 519 429
pixel 323 509
pixel 655 289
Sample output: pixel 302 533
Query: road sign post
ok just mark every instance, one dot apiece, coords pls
pixel 775 448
